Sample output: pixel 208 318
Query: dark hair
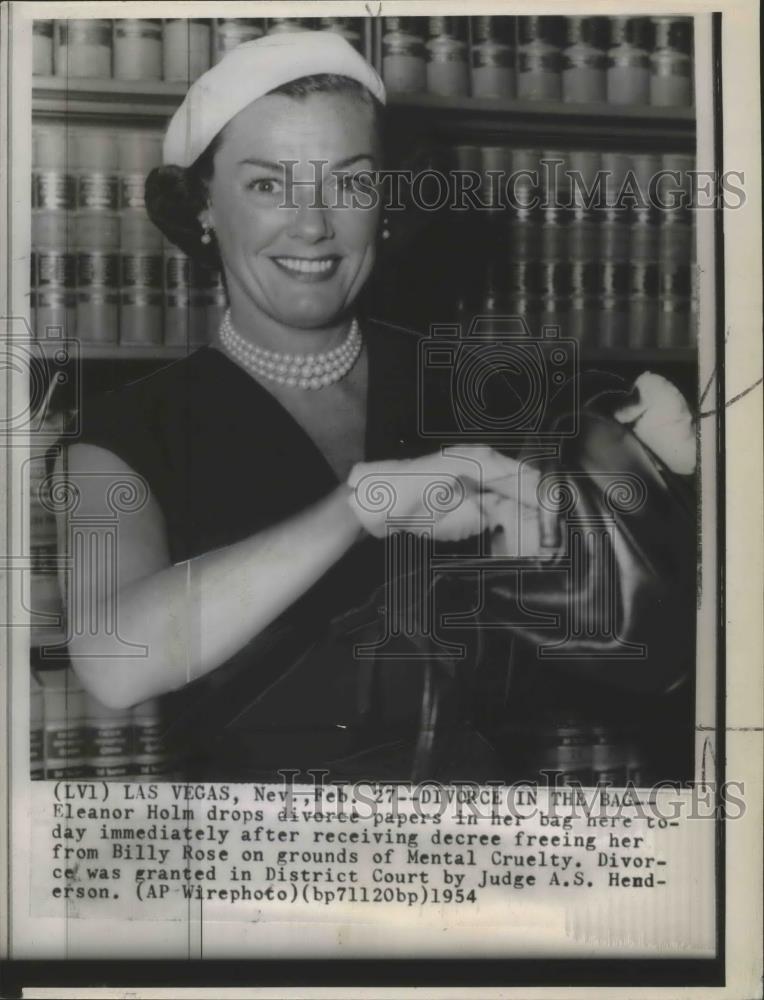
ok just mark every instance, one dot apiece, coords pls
pixel 175 196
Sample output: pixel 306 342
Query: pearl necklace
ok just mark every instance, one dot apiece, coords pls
pixel 301 371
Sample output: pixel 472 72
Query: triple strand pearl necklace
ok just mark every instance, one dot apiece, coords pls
pixel 301 371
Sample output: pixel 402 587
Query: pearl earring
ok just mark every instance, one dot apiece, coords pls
pixel 206 237
pixel 385 229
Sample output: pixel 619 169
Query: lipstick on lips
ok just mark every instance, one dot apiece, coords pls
pixel 308 268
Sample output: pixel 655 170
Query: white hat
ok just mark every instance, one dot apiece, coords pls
pixel 251 70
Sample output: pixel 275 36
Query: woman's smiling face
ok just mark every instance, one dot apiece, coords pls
pixel 290 247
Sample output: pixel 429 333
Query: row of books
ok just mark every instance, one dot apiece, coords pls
pixel 147 297
pixel 175 50
pixel 608 320
pixel 88 184
pixel 502 174
pixel 619 60
pixel 575 235
pixel 604 305
pixel 72 735
pixel 612 281
pixel 96 167
pixel 575 753
pixel 100 270
pixel 622 60
pixel 610 327
pixel 605 302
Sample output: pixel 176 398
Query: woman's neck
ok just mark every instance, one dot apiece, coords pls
pixel 264 331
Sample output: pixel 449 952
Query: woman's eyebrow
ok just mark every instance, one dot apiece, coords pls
pixel 255 161
pixel 353 159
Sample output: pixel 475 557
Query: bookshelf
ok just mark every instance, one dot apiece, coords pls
pixel 135 353
pixel 91 101
pixel 77 99
pixel 546 121
pixel 125 352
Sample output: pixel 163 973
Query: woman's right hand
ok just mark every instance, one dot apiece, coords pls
pixel 456 491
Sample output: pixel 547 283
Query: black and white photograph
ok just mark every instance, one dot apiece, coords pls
pixel 519 298
pixel 373 487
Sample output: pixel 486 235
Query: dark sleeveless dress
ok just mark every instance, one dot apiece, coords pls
pixel 225 460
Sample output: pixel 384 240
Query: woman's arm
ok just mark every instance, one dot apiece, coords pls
pixel 193 616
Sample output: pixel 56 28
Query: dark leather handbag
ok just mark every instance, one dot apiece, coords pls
pixel 611 603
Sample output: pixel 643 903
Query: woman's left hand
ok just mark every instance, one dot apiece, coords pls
pixel 661 419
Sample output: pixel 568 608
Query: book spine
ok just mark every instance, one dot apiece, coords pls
pixel 46 605
pixel 36 730
pixel 675 265
pixel 613 279
pixel 150 757
pixel 108 742
pixel 644 279
pixel 177 303
pixel 64 731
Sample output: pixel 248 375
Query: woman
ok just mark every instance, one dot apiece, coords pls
pixel 236 580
